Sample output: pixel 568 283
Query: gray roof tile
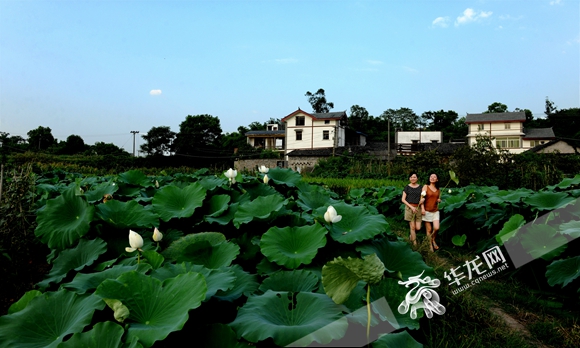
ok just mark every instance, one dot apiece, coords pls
pixel 496 117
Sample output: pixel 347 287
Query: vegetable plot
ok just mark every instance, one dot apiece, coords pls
pixel 235 259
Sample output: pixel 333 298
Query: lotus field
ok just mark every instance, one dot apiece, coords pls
pixel 267 260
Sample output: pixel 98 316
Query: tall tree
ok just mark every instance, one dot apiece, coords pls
pixel 101 148
pixel 443 121
pixel 403 119
pixel 158 141
pixel 318 102
pixel 566 123
pixel 198 132
pixel 74 144
pixel 550 107
pixel 40 139
pixel 359 117
pixel 529 114
pixel 495 108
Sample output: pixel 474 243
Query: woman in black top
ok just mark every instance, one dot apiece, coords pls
pixel 412 199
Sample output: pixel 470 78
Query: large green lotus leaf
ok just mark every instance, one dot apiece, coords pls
pixel 259 189
pixel 450 203
pixel 156 308
pixel 48 319
pixel 294 281
pixel 126 215
pixel 216 205
pixel 512 197
pixel 126 190
pixel 103 335
pixel 293 246
pixel 340 276
pixel 260 208
pixel 386 297
pixel 219 336
pixel 208 249
pixel 135 177
pixel 97 192
pixel 211 182
pixel 284 176
pixel 571 228
pixel 548 200
pixel 568 182
pixel 83 282
pixel 563 271
pixel 510 228
pixel 314 198
pixel 357 223
pixel 398 257
pixel 153 258
pixel 399 339
pixel 84 254
pixel 172 202
pixel 216 279
pixel 245 284
pixel 225 218
pixel 64 220
pixel 543 241
pixel 23 302
pixel 290 319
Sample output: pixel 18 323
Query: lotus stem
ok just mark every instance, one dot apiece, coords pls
pixel 368 312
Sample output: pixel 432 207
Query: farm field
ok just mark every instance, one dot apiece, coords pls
pixel 236 260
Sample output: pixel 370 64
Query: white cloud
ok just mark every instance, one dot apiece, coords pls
pixel 470 15
pixel 155 92
pixel 440 22
pixel 554 2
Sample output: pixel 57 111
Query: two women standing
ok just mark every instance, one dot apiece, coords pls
pixel 421 204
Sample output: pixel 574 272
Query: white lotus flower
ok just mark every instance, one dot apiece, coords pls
pixel 263 169
pixel 156 184
pixel 423 193
pixel 331 216
pixel 266 179
pixel 449 191
pixel 231 175
pixel 135 241
pixel 157 236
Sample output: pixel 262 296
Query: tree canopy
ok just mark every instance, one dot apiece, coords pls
pixel 40 138
pixel 318 102
pixel 198 132
pixel 158 141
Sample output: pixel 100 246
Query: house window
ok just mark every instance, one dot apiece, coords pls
pixel 507 126
pixel 298 135
pixel 300 120
pixel 479 127
pixel 507 142
pixel 325 135
pixel 326 121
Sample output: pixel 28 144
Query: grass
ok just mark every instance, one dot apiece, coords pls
pixel 547 318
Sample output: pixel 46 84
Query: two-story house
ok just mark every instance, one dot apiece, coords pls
pixel 314 131
pixel 507 131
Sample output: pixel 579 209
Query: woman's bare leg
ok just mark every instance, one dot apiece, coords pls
pixel 435 230
pixel 428 228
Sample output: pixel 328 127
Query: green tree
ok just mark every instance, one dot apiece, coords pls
pixel 442 121
pixel 495 108
pixel 74 144
pixel 254 126
pixel 158 141
pixel 318 102
pixel 566 123
pixel 359 117
pixel 198 132
pixel 403 119
pixel 550 107
pixel 40 139
pixel 101 149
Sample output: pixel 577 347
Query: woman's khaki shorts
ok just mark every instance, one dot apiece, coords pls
pixel 409 216
pixel 430 217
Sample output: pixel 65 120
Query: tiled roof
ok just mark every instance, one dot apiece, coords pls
pixel 329 115
pixel 266 132
pixel 574 143
pixel 538 133
pixel 496 117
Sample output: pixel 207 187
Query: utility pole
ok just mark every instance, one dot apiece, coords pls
pixel 134 132
pixel 389 139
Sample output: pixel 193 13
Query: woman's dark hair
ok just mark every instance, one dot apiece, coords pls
pixel 410 175
pixel 429 181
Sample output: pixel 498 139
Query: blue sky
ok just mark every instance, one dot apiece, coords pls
pixel 100 69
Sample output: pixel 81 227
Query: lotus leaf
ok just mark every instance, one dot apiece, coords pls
pixel 543 241
pixel 84 254
pixel 98 192
pixel 62 313
pixel 548 200
pixel 153 258
pixel 293 246
pixel 459 240
pixel 156 308
pixel 172 202
pixel 208 249
pixel 568 182
pixel 260 208
pixel 217 204
pixel 126 215
pixel 293 281
pixel 513 196
pixel 211 182
pixel 64 220
pixel 357 224
pixel 225 218
pixel 284 176
pixel 135 177
pixel 84 282
pixel 258 189
pixel 23 302
pixel 385 299
pixel 219 336
pixel 563 271
pixel 103 335
pixel 399 339
pixel 245 285
pixel 397 256
pixel 314 198
pixel 450 203
pixel 340 276
pixel 510 228
pixel 290 319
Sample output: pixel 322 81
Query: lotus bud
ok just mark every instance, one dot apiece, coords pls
pixel 156 184
pixel 157 236
pixel 331 216
pixel 263 169
pixel 135 241
pixel 266 179
pixel 450 191
pixel 423 193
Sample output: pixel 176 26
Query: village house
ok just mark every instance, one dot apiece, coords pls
pixel 507 131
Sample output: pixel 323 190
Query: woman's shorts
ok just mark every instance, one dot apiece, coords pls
pixel 430 217
pixel 410 216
